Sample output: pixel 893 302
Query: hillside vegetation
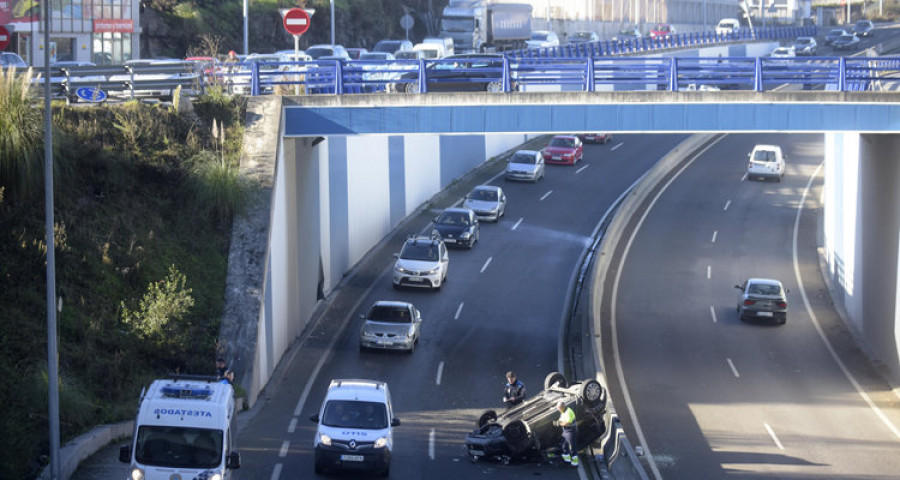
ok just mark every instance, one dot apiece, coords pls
pixel 144 198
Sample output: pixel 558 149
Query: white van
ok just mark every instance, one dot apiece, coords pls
pixel 446 44
pixel 766 161
pixel 355 427
pixel 728 26
pixel 184 429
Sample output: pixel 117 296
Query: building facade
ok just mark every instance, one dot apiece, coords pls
pixel 99 31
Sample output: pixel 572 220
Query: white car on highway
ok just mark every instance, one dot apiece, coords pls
pixel 422 262
pixel 766 161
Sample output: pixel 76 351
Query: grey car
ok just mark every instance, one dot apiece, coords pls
pixel 762 298
pixel 390 325
pixel 487 201
pixel 527 165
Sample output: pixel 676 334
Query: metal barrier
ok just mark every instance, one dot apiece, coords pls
pixel 126 81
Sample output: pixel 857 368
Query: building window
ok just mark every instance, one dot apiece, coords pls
pixel 111 48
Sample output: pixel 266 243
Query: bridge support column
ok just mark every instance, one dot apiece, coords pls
pixel 862 238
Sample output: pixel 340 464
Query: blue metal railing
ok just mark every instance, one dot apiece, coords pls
pixel 575 74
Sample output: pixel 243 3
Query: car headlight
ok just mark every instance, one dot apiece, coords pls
pixel 366 333
pixel 433 271
pixel 401 270
pixel 216 476
pixel 381 442
pixel 324 439
pixel 465 235
pixel 137 474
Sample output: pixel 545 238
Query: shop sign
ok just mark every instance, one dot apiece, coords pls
pixel 113 25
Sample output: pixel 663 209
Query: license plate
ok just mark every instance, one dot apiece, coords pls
pixel 557 157
pixel 449 240
pixel 763 314
pixel 384 342
pixel 351 458
pixel 476 453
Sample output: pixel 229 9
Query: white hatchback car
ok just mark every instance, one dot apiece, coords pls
pixel 766 161
pixel 422 262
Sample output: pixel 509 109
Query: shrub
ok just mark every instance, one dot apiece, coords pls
pixel 21 133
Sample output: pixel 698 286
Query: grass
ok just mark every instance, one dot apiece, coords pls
pixel 141 257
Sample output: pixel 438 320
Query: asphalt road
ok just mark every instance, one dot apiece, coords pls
pixel 710 397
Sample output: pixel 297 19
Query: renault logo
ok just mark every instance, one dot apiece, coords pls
pixel 352 444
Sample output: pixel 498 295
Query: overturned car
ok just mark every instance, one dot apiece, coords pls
pixel 527 430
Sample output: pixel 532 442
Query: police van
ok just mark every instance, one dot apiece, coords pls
pixel 355 427
pixel 185 429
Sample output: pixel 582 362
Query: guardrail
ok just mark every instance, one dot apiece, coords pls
pixel 124 81
pixel 759 74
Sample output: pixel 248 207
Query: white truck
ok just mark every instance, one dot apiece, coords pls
pixel 185 428
pixel 486 26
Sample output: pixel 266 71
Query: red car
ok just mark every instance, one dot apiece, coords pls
pixel 662 30
pixel 563 149
pixel 595 137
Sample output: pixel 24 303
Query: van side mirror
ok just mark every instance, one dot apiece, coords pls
pixel 738 287
pixel 233 461
pixel 125 453
pixel 314 418
pixel 395 422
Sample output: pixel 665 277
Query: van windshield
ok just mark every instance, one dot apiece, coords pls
pixel 355 414
pixel 178 447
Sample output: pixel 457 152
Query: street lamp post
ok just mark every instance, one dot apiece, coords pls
pixel 332 22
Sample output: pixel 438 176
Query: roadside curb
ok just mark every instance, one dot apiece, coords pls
pixel 85 445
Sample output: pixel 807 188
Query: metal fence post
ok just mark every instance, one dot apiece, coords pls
pixel 757 77
pixel 254 78
pixel 842 74
pixel 504 75
pixel 589 74
pixel 673 74
pixel 338 77
pixel 423 82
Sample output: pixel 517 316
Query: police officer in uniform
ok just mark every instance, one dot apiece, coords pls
pixel 514 391
pixel 567 423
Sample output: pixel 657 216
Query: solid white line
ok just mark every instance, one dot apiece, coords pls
pixel 440 373
pixel 488 262
pixel 614 324
pixel 745 177
pixel 517 224
pixel 546 195
pixel 458 310
pixel 726 205
pixel 715 234
pixel 617 146
pixel 293 425
pixel 582 168
pixel 815 321
pixel 712 311
pixel 284 448
pixel 708 272
pixel 431 444
pixel 276 472
pixel 733 370
pixel 772 433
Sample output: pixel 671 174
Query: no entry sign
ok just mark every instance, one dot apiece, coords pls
pixel 296 21
pixel 4 37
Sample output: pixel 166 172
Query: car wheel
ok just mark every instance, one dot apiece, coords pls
pixel 412 347
pixel 592 393
pixel 493 87
pixel 411 87
pixel 487 417
pixel 516 433
pixel 386 472
pixel 555 378
pixel 317 469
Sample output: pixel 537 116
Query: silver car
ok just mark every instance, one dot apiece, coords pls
pixel 422 262
pixel 390 325
pixel 762 298
pixel 525 165
pixel 487 201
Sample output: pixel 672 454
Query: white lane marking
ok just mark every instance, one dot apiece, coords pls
pixel 431 444
pixel 745 177
pixel 712 311
pixel 775 438
pixel 708 272
pixel 617 146
pixel 546 195
pixel 517 224
pixel 623 385
pixel 815 321
pixel 276 472
pixel 293 425
pixel 488 262
pixel 582 168
pixel 715 234
pixel 284 448
pixel 733 370
pixel 458 310
pixel 727 204
pixel 440 373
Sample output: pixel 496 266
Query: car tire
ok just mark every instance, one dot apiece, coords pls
pixel 386 472
pixel 412 348
pixel 487 417
pixel 411 87
pixel 515 433
pixel 592 393
pixel 555 378
pixel 493 87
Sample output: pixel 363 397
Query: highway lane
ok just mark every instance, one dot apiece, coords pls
pixel 500 310
pixel 711 397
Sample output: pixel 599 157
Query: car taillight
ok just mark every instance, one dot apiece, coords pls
pixel 781 304
pixel 749 302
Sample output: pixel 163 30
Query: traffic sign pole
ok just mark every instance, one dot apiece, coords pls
pixel 297 59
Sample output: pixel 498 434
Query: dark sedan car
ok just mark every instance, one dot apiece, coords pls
pixel 457 226
pixel 834 34
pixel 762 298
pixel 864 28
pixel 459 73
pixel 527 431
pixel 845 42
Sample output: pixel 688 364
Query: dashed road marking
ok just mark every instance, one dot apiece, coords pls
pixel 516 225
pixel 774 437
pixel 546 195
pixel 733 370
pixel 488 262
pixel 440 373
